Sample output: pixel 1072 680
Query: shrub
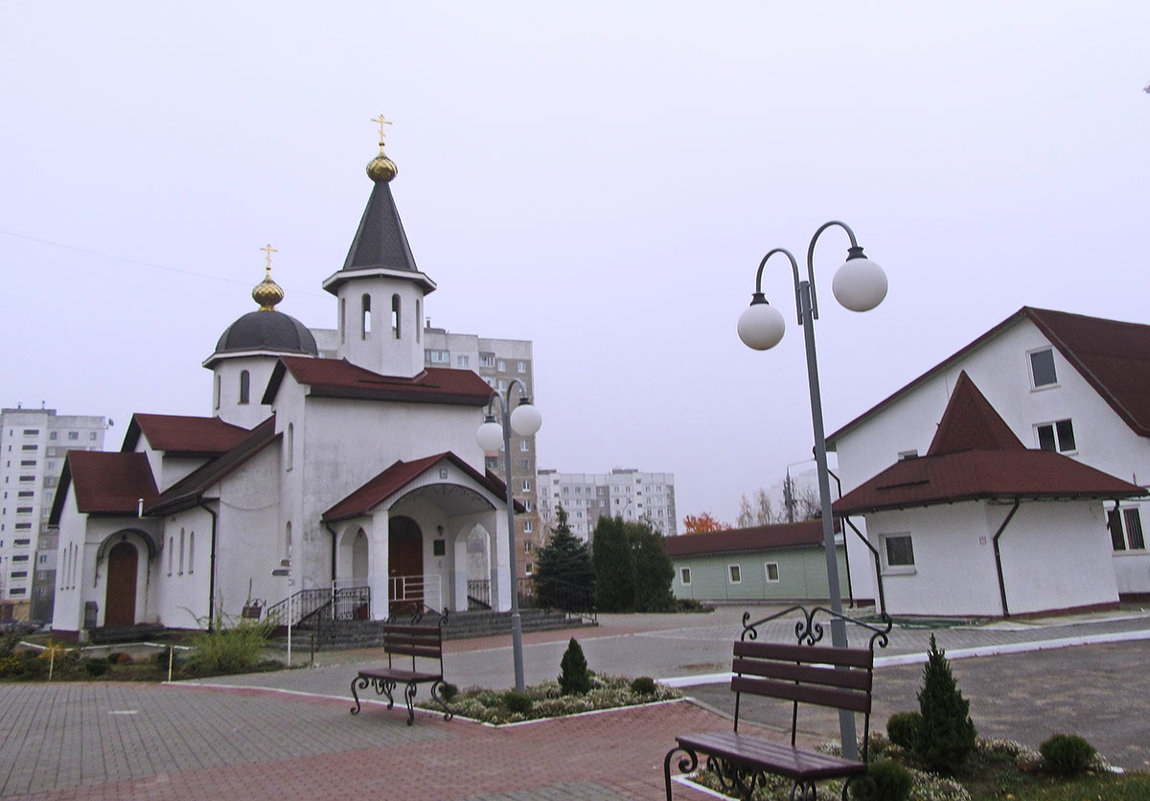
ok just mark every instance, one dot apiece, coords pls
pixel 946 734
pixel 96 667
pixel 228 650
pixel 644 685
pixel 517 703
pixel 447 691
pixel 902 729
pixel 892 781
pixel 574 678
pixel 1066 755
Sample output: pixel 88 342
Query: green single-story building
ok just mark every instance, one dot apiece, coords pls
pixel 784 562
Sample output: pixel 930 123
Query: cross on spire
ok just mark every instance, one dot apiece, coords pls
pixel 382 122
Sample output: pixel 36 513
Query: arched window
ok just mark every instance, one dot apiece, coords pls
pixel 365 321
pixel 217 393
pixel 342 319
pixel 395 316
pixel 418 320
pixel 191 552
pixel 171 552
pixel 245 386
pixel 289 446
pixel 183 536
pixel 287 541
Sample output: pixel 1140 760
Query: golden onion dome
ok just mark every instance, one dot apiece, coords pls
pixel 381 168
pixel 267 293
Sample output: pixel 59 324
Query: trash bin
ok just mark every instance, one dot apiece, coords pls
pixel 91 614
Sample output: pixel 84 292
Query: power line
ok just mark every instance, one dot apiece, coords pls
pixel 141 263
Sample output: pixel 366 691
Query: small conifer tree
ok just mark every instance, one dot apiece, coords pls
pixel 946 734
pixel 574 679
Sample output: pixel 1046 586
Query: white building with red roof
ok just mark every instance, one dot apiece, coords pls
pixel 359 473
pixel 1044 384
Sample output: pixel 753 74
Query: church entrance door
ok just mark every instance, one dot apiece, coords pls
pixel 120 601
pixel 404 565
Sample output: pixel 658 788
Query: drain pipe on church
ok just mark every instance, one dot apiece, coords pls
pixel 211 567
pixel 998 556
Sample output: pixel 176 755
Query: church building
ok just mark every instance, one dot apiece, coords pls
pixel 316 475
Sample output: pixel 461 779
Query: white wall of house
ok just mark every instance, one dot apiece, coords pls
pixel 1001 370
pixel 1055 556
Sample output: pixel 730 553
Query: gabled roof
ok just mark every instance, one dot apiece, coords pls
pixel 399 475
pixel 1113 357
pixel 975 456
pixel 339 378
pixel 189 491
pixel 757 538
pixel 105 483
pixel 178 435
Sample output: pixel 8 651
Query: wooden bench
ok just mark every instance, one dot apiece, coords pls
pixel 839 678
pixel 424 645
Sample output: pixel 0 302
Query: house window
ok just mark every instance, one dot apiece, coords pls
pixel 486 359
pixel 685 575
pixel 73 435
pixel 524 446
pixel 521 367
pixel 898 550
pixel 1126 529
pixel 1042 373
pixel 501 365
pixel 528 527
pixel 527 485
pixel 527 547
pixel 1057 436
pixel 462 360
pixel 527 568
pixel 772 569
pixel 734 574
pixel 438 357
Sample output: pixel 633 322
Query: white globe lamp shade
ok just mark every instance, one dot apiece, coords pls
pixel 526 419
pixel 761 325
pixel 490 436
pixel 860 284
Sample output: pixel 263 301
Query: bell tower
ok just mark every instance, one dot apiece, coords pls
pixel 381 292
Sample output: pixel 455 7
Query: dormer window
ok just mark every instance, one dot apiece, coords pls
pixel 1042 372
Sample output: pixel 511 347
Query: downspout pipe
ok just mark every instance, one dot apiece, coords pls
pixel 998 556
pixel 877 563
pixel 211 568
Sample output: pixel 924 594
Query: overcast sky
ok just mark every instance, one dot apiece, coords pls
pixel 599 177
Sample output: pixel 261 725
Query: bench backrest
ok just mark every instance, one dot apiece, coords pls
pixel 840 678
pixel 408 640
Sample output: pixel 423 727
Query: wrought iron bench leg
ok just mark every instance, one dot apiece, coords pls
pixel 362 682
pixel 409 697
pixel 447 713
pixel 687 764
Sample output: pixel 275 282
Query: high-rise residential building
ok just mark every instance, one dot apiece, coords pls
pixel 499 362
pixel 33 443
pixel 624 492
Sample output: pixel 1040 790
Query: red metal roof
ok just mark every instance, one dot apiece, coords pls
pixel 178 434
pixel 339 378
pixel 398 476
pixel 189 491
pixel 756 538
pixel 975 456
pixel 106 482
pixel 1114 357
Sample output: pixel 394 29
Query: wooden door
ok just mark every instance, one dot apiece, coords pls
pixel 120 601
pixel 404 564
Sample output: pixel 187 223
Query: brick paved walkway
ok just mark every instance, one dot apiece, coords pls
pixel 96 741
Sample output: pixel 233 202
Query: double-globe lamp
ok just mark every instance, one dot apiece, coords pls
pixel 859 285
pixel 492 436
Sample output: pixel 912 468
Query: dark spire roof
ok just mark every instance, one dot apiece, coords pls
pixel 970 423
pixel 380 240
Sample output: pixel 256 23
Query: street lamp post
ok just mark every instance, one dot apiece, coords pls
pixel 859 285
pixel 525 420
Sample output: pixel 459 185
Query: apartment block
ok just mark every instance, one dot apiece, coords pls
pixel 33 443
pixel 624 492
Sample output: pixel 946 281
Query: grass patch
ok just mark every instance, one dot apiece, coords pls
pixel 546 700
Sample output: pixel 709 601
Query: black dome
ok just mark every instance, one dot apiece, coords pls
pixel 267 330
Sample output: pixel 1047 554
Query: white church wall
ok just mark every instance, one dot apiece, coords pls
pixel 180 578
pixel 228 406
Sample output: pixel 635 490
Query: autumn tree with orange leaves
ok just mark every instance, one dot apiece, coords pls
pixel 697 524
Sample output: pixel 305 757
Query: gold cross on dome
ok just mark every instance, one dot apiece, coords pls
pixel 268 251
pixel 382 122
